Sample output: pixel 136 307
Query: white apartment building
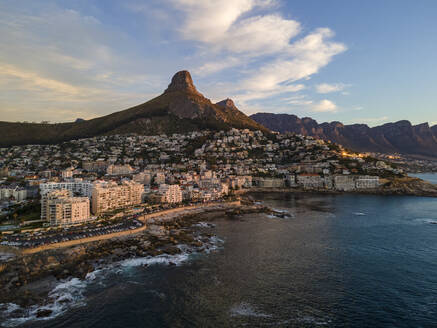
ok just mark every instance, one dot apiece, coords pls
pixel 16 193
pixel 59 208
pixel 76 186
pixel 170 193
pixel 367 182
pixel 108 196
pixel 344 182
pixel 310 180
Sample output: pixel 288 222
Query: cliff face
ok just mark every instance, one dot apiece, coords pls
pixel 400 137
pixel 181 108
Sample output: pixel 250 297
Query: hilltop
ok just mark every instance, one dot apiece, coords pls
pixel 181 108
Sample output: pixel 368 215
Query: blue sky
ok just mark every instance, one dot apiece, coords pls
pixel 339 60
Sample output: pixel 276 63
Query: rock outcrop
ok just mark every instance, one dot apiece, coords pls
pixel 399 137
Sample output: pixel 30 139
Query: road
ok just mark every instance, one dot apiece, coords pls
pixel 143 218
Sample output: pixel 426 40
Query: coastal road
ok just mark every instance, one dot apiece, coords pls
pixel 142 218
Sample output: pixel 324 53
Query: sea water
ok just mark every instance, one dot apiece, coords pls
pixel 338 261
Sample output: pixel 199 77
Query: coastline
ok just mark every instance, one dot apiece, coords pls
pixel 405 186
pixel 28 280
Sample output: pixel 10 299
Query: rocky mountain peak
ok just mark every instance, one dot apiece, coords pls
pixel 227 103
pixel 182 81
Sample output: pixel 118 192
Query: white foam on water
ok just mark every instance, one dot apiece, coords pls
pixel 163 259
pixel 68 294
pixel 204 225
pixel 313 320
pixel 64 296
pixel 246 310
pixel 359 214
pixel 280 210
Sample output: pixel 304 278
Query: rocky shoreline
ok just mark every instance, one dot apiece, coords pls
pixel 404 186
pixel 27 280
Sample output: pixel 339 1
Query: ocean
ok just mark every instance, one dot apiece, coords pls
pixel 430 177
pixel 338 261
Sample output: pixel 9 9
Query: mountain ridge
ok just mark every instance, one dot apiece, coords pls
pixel 180 109
pixel 396 137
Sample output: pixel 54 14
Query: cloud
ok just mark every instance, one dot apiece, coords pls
pixel 31 80
pixel 217 66
pixel 325 106
pixel 303 58
pixel 58 64
pixel 329 88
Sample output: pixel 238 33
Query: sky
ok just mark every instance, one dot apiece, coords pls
pixel 352 61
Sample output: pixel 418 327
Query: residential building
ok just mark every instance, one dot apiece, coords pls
pixel 76 186
pixel 170 193
pixel 62 209
pixel 344 182
pixel 108 196
pixel 67 173
pixel 13 193
pixel 367 182
pixel 310 180
pixel 119 169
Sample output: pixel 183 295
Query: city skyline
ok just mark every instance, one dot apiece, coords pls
pixel 356 63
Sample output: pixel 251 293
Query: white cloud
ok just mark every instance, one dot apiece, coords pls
pixel 57 64
pixel 329 88
pixel 217 66
pixel 304 58
pixel 324 106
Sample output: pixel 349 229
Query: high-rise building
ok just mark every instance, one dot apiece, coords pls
pixel 108 196
pixel 59 208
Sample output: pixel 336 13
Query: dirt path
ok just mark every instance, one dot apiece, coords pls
pixel 143 218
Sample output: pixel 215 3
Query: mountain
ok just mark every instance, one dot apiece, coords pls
pixel 181 108
pixel 400 137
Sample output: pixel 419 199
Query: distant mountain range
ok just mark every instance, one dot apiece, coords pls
pixel 400 137
pixel 181 108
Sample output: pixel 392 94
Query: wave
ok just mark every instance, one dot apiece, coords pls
pixel 359 214
pixel 204 225
pixel 246 310
pixel 66 295
pixel 69 293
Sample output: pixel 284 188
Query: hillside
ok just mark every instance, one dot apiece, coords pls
pixel 181 108
pixel 400 137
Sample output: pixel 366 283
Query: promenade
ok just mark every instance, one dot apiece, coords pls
pixel 143 218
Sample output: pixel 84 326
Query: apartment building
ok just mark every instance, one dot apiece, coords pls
pixel 119 169
pixel 59 208
pixel 170 193
pixel 16 193
pixel 76 186
pixel 108 196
